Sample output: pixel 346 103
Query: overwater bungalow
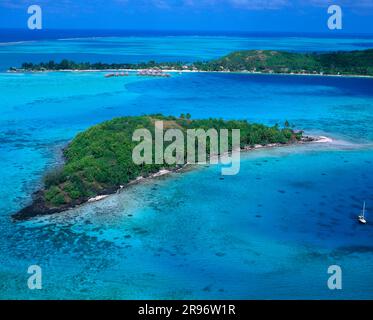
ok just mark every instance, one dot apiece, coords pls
pixel 117 74
pixel 153 73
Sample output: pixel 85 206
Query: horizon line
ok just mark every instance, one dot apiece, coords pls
pixel 326 32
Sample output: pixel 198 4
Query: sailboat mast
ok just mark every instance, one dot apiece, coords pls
pixel 364 210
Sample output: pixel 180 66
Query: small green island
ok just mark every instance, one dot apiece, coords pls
pixel 359 63
pixel 98 161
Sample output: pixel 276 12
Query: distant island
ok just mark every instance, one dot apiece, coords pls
pixel 254 61
pixel 98 161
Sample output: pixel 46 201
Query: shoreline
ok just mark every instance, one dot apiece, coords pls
pixel 188 71
pixel 37 207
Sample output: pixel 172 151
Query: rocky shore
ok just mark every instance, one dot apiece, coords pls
pixel 39 207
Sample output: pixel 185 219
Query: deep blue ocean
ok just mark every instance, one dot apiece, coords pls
pixel 269 232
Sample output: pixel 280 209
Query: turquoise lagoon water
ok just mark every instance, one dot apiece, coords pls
pixel 141 48
pixel 269 232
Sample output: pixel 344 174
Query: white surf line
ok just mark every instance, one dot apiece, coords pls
pixel 323 139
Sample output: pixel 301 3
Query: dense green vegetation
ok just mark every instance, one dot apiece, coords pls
pixel 100 159
pixel 71 65
pixel 353 62
pixel 265 61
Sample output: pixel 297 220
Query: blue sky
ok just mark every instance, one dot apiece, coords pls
pixel 204 15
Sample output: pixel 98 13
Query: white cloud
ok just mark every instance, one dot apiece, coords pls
pixel 171 4
pixel 342 3
pixel 259 4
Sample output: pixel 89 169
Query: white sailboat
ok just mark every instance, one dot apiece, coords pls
pixel 362 217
